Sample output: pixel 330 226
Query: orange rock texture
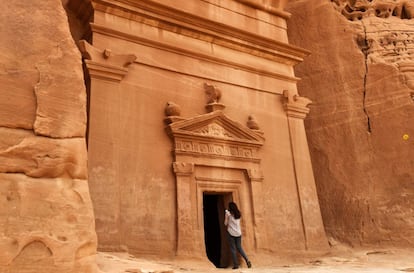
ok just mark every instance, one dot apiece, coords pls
pixel 46 216
pixel 360 128
pixel 159 150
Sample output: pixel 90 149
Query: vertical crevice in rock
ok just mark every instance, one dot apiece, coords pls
pixel 364 45
pixel 80 14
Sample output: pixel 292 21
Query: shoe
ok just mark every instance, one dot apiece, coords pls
pixel 235 267
pixel 249 264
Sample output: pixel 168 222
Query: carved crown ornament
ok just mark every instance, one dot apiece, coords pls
pixel 213 134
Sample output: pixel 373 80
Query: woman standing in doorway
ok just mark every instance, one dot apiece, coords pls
pixel 232 222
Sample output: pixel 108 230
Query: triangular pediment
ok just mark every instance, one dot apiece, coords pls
pixel 215 125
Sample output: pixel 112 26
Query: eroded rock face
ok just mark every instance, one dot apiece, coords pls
pixel 46 216
pixel 359 77
pixel 358 9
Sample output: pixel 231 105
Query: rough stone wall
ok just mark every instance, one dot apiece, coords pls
pixel 360 128
pixel 46 216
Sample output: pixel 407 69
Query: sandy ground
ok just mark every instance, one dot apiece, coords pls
pixel 345 260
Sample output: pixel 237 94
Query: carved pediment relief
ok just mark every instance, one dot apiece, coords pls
pixel 215 135
pixel 217 126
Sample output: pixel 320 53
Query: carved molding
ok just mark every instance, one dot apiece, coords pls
pixel 105 72
pixel 273 7
pixel 170 19
pixel 214 135
pixel 216 150
pixel 295 105
pixel 103 64
pixel 192 54
pixel 215 130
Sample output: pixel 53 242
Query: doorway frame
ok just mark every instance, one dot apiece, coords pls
pixel 214 141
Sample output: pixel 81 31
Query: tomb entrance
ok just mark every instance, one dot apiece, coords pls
pixel 215 160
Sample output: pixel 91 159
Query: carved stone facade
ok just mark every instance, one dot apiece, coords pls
pixel 214 76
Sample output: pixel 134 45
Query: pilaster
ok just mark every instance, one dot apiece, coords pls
pixel 296 111
pixel 187 244
pixel 106 71
pixel 256 178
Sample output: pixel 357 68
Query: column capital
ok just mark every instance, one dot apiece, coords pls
pixel 295 105
pixel 255 175
pixel 183 168
pixel 103 64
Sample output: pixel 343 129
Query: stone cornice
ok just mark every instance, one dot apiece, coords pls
pixel 268 8
pixel 167 18
pixel 105 72
pixel 168 47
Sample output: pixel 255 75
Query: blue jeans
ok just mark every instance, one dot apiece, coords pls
pixel 235 244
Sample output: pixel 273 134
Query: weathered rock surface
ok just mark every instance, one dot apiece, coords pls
pixel 41 157
pixel 46 225
pixel 41 69
pixel 46 216
pixel 360 129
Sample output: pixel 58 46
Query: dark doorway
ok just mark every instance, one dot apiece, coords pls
pixel 215 239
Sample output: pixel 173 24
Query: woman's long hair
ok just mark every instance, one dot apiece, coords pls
pixel 234 210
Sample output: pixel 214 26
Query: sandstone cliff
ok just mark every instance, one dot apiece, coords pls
pixel 46 217
pixel 360 128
